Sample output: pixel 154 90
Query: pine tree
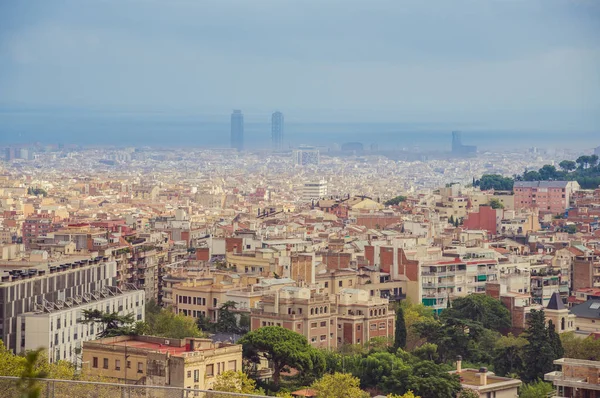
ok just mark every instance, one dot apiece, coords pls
pixel 538 355
pixel 451 220
pixel 400 338
pixel 555 341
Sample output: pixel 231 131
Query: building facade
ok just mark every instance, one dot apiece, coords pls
pixel 21 291
pixel 237 130
pixel 58 327
pixel 577 378
pixel 277 130
pixel 147 360
pixel 314 190
pixel 547 196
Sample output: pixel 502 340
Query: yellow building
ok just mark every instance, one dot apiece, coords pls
pixel 188 363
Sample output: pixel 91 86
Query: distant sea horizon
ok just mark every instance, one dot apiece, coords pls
pixel 164 130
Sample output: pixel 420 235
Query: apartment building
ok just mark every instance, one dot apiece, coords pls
pixel 485 383
pixel 58 328
pixel 577 378
pixel 586 268
pixel 547 196
pixel 327 321
pixel 457 275
pixel 22 289
pixel 36 225
pixel 188 363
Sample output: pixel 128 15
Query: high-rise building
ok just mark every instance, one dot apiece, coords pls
pixel 237 130
pixel 277 130
pixel 458 149
pixel 314 190
pixel 306 155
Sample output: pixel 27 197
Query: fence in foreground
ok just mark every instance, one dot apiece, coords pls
pixel 50 388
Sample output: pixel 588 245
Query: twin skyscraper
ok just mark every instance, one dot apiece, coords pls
pixel 237 130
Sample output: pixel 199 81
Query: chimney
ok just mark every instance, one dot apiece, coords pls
pixel 458 364
pixel 483 376
pixel 276 303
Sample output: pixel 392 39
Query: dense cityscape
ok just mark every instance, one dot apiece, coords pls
pixel 316 199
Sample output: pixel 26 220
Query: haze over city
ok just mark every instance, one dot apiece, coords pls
pixel 300 199
pixel 120 68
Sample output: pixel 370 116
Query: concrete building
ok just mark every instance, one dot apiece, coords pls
pixel 36 225
pixel 156 361
pixel 277 130
pixel 457 276
pixel 306 155
pixel 58 328
pixel 587 316
pixel 350 317
pixel 22 289
pixel 314 190
pixel 577 378
pixel 487 384
pixel 547 196
pixel 237 130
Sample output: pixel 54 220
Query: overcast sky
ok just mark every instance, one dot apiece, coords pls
pixel 509 63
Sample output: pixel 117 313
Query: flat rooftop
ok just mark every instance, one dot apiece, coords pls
pixel 162 348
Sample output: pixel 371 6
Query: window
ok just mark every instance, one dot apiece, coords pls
pixel 117 364
pixel 324 323
pixel 357 327
pixel 313 325
pixel 326 284
pixel 189 374
pixel 382 325
pixel 373 326
pixel 210 370
pixel 105 364
pixel 95 362
pixel 340 283
pixel 232 365
pixel 313 339
pixel 140 368
pixel 323 337
pixel 196 376
pixel 128 364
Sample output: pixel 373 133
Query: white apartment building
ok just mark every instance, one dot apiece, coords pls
pixel 314 190
pixel 58 328
pixel 457 275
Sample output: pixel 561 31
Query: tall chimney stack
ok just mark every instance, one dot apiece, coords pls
pixel 458 364
pixel 483 376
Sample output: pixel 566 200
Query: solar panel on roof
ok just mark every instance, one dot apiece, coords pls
pixel 594 306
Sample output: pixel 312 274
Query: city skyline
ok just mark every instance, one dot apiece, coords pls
pixel 237 130
pixel 277 130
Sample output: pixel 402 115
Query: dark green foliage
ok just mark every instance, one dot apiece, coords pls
pixel 508 355
pixel 227 322
pixel 400 337
pixel 494 181
pixel 37 191
pixel 28 384
pixel 537 389
pixel 555 341
pixel 496 204
pixel 585 170
pixel 395 201
pixel 113 323
pixel 284 348
pixel 480 308
pixel 540 352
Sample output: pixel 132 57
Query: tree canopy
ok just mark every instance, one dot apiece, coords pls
pixel 480 308
pixel 400 334
pixel 284 348
pixel 395 201
pixel 113 324
pixel 165 323
pixel 339 385
pixel 542 348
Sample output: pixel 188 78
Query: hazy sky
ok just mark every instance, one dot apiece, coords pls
pixel 509 63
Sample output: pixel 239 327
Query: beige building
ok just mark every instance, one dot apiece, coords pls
pixel 577 378
pixel 485 383
pixel 188 363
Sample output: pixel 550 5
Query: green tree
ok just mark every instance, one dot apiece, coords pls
pixel 495 203
pixel 508 355
pixel 339 385
pixel 168 324
pixel 28 383
pixel 537 389
pixel 408 394
pixel 593 160
pixel 282 347
pixel 467 393
pixel 480 308
pixel 237 382
pixel 538 354
pixel 496 182
pixel 227 322
pixel 576 347
pixel 113 324
pixel 555 342
pixel 567 165
pixel 433 381
pixel 395 201
pixel 413 314
pixel 400 336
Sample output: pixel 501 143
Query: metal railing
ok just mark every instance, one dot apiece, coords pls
pixel 51 388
